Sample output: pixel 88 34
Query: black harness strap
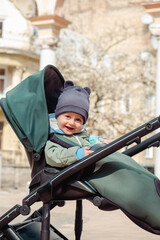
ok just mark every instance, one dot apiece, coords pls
pixel 66 143
pixel 55 139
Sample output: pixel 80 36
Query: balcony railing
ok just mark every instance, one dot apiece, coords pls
pixel 21 42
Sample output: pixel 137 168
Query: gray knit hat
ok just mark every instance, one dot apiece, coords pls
pixel 73 99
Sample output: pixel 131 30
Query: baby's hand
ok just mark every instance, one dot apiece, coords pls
pixel 87 151
pixel 104 140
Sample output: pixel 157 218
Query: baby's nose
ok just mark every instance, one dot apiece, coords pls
pixel 71 121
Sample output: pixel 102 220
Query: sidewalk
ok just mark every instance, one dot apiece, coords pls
pixel 97 224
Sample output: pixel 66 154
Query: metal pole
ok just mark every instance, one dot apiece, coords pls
pixel 157 153
pixel 45 226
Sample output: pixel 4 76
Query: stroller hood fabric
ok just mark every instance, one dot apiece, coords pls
pixel 26 106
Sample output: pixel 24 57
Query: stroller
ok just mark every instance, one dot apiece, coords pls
pixel 26 108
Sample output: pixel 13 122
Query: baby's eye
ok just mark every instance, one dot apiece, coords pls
pixel 78 120
pixel 66 116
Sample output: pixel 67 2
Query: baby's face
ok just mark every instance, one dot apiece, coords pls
pixel 70 122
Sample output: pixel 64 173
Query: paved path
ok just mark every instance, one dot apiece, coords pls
pixel 97 225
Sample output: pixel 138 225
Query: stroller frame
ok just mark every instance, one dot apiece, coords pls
pixel 46 192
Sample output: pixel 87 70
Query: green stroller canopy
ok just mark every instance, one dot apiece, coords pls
pixel 26 106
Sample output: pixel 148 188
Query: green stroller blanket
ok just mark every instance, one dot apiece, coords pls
pixel 130 187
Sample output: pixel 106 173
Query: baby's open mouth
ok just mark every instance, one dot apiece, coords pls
pixel 69 128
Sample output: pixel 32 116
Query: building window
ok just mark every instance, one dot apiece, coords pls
pixel 35 31
pixel 100 105
pixel 1 29
pixel 1 132
pixel 126 104
pixel 150 103
pixel 2 79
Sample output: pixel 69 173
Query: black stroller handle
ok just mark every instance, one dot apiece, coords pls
pixel 153 141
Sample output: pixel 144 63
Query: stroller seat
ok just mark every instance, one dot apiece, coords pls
pixel 34 98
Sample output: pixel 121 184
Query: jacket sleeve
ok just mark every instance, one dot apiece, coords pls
pixel 58 156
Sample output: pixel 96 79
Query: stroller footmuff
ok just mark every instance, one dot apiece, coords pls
pixel 117 181
pixel 130 187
